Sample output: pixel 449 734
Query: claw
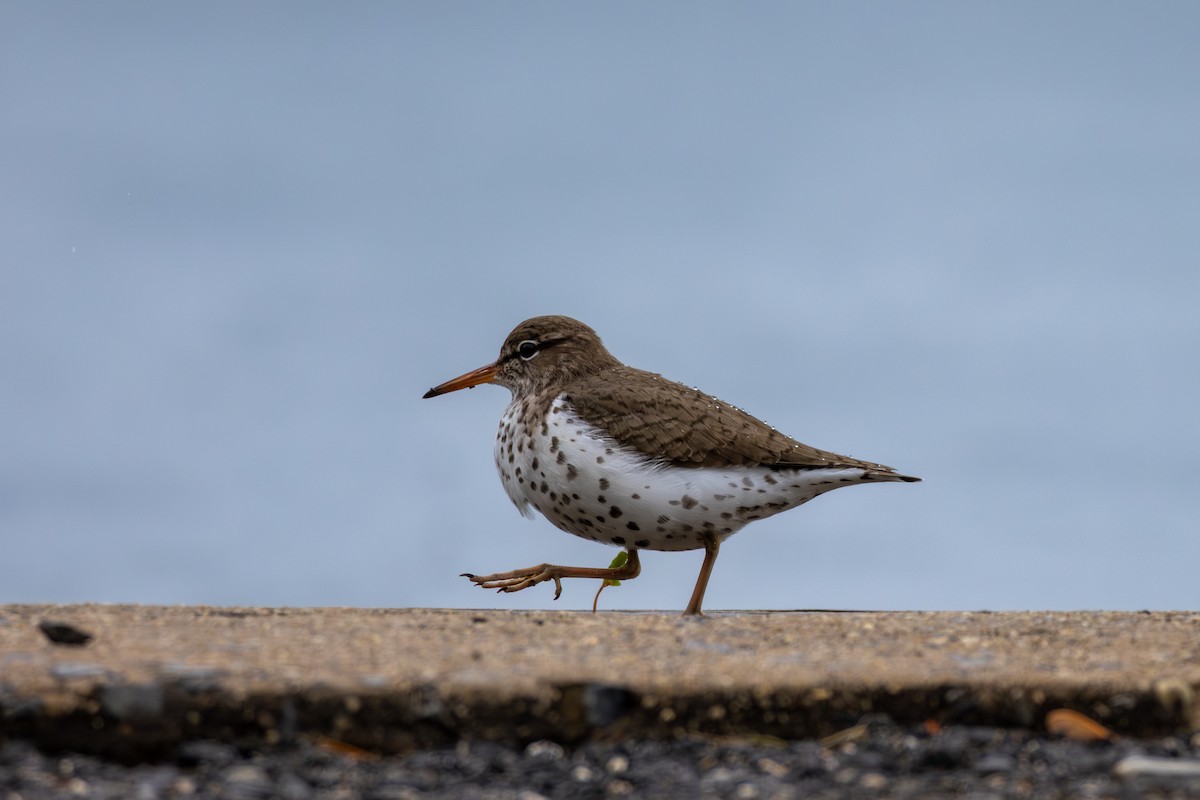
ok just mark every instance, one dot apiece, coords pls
pixel 518 579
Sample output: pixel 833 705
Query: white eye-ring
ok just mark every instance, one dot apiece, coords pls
pixel 527 349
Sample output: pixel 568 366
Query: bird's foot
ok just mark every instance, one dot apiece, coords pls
pixel 518 579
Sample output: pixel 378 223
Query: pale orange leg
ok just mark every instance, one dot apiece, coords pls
pixel 518 579
pixel 711 545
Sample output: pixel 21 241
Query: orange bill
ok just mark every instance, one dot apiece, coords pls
pixel 473 378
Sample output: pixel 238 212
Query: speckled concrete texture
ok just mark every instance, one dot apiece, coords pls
pixel 398 679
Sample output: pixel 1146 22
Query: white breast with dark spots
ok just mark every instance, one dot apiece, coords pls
pixel 582 481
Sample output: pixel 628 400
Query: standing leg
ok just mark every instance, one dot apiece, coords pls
pixel 711 545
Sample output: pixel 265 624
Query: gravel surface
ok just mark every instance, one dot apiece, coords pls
pixel 874 759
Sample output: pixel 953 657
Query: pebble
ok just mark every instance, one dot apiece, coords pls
pixel 246 782
pixel 64 633
pixel 994 762
pixel 1158 767
pixel 887 760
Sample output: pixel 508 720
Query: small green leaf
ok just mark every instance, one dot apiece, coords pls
pixel 617 562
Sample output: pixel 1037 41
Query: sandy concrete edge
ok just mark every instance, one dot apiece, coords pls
pixel 398 679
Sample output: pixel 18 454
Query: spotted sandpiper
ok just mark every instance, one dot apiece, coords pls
pixel 628 458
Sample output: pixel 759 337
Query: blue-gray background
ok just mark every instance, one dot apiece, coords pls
pixel 240 240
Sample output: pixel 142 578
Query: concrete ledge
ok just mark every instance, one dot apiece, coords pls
pixel 398 679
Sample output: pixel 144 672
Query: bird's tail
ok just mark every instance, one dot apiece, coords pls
pixel 888 475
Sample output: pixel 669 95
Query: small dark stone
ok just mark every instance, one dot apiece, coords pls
pixel 64 633
pixel 604 705
pixel 947 750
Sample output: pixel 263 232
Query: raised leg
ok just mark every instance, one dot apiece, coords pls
pixel 711 546
pixel 518 579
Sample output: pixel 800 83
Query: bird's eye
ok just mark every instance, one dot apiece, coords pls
pixel 527 349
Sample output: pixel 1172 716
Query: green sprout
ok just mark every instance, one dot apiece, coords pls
pixel 619 561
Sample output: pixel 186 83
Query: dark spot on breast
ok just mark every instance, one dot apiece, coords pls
pixel 571 472
pixel 585 522
pixel 614 512
pixel 663 519
pixel 534 464
pixel 687 502
pixel 603 484
pixel 726 515
pixel 544 487
pixel 599 518
pixel 553 444
pixel 562 457
pixel 642 543
pixel 673 502
pixel 599 459
pixel 769 478
pixel 600 499
pixel 618 540
pixel 747 482
pixel 633 526
pixel 636 496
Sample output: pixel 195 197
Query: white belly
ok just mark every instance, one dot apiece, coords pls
pixel 582 481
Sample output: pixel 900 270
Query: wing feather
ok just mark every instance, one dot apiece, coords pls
pixel 684 426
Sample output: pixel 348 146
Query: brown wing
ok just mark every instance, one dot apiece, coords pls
pixel 668 420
